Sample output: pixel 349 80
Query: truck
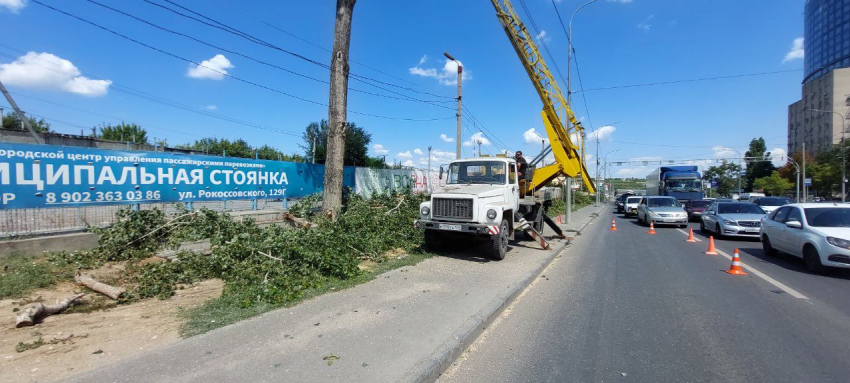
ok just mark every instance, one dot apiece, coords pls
pixel 485 198
pixel 682 182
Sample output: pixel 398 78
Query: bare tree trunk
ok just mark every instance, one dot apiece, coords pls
pixel 337 125
pixel 38 311
pixel 110 291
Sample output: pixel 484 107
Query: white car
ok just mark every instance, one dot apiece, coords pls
pixel 769 204
pixel 631 206
pixel 818 233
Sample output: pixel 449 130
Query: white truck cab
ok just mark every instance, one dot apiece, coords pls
pixel 480 199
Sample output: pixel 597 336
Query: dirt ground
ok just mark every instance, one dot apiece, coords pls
pixel 78 342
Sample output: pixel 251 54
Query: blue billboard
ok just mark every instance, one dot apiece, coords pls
pixel 36 176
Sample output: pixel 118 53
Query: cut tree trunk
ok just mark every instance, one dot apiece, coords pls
pixel 337 125
pixel 110 291
pixel 38 311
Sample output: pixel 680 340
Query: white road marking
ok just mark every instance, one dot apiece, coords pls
pixel 686 233
pixel 764 276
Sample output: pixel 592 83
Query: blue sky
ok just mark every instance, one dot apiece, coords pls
pixel 78 75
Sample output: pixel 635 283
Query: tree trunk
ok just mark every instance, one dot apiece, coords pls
pixel 337 125
pixel 110 291
pixel 38 311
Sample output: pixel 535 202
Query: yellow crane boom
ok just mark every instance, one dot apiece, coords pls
pixel 556 110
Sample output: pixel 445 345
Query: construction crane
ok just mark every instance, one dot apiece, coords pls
pixel 569 160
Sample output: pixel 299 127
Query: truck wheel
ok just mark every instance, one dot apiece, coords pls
pixel 434 240
pixel 499 242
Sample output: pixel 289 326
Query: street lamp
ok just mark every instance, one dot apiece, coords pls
pixel 605 161
pixel 570 51
pixel 459 79
pixel 843 148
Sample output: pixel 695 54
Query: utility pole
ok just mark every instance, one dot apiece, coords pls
pixel 459 88
pixel 314 149
pixel 430 190
pixel 805 187
pixel 337 125
pixel 25 124
pixel 479 148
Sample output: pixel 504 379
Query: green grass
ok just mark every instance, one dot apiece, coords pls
pixel 20 274
pixel 229 308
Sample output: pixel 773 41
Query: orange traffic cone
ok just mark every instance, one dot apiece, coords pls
pixel 691 236
pixel 711 250
pixel 559 219
pixel 651 227
pixel 613 224
pixel 735 269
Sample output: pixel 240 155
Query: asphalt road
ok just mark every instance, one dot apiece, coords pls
pixel 627 306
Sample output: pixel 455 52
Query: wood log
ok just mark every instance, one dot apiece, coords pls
pixel 38 311
pixel 299 222
pixel 110 291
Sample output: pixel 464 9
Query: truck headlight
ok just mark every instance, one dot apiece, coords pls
pixel 491 214
pixel 425 210
pixel 838 242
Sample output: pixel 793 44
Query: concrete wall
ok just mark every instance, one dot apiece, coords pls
pixel 36 246
pixel 23 137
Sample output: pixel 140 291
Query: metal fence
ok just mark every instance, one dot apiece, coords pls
pixel 20 222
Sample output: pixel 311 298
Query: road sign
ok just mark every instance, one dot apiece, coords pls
pixel 808 182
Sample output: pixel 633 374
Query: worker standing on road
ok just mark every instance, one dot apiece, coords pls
pixel 522 170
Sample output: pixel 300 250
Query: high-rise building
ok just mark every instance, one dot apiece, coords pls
pixel 826 78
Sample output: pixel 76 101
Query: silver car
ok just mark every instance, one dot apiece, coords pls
pixel 735 219
pixel 662 211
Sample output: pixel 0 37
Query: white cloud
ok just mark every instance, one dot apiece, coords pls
pixel 446 76
pixel 543 36
pixel 797 51
pixel 723 152
pixel 422 60
pixel 13 5
pixel 646 24
pixel 407 163
pixel 48 71
pixel 211 107
pixel 438 157
pixel 477 138
pixel 779 157
pixel 604 133
pixel 620 1
pixel 630 172
pixel 532 137
pixel 446 138
pixel 417 151
pixel 404 155
pixel 379 149
pixel 213 69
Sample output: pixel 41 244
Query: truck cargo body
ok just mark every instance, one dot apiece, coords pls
pixel 682 182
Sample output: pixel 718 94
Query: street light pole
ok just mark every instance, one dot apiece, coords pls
pixel 843 149
pixel 459 81
pixel 605 161
pixel 570 51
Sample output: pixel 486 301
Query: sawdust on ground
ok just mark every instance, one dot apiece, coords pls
pixel 79 342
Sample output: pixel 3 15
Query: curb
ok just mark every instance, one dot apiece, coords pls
pixel 430 369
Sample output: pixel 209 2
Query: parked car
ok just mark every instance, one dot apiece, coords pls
pixel 661 210
pixel 816 232
pixel 750 197
pixel 631 205
pixel 737 219
pixel 696 207
pixel 769 204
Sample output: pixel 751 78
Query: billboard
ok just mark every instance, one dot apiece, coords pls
pixel 35 176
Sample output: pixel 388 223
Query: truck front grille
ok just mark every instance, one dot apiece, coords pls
pixel 452 208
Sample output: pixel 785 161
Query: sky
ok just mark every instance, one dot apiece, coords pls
pixel 261 75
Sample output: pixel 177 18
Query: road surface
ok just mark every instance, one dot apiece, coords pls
pixel 627 306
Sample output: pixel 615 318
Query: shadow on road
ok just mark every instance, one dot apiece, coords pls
pixel 793 263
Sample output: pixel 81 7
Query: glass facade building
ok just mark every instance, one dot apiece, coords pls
pixel 827 37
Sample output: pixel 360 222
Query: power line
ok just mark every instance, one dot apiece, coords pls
pixel 249 82
pixel 478 122
pixel 542 41
pixel 584 99
pixel 256 40
pixel 691 80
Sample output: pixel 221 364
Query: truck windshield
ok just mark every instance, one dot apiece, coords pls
pixel 477 172
pixel 683 185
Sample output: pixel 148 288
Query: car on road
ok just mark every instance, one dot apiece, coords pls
pixel 621 202
pixel 696 207
pixel 661 210
pixel 769 204
pixel 816 232
pixel 734 219
pixel 631 205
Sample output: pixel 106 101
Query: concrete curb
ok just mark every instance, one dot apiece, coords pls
pixel 430 369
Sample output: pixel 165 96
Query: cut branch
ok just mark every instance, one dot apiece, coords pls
pixel 110 291
pixel 270 256
pixel 39 311
pixel 400 201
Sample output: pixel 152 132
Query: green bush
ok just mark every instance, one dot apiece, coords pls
pixel 20 274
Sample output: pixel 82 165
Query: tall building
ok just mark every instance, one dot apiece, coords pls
pixel 826 81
